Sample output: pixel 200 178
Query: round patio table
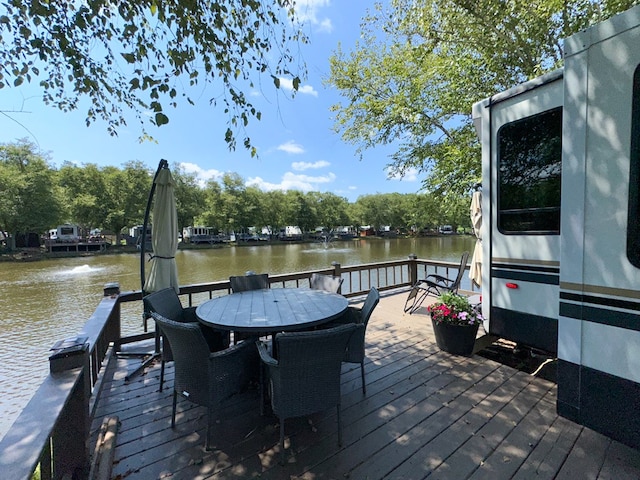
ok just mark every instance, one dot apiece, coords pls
pixel 271 310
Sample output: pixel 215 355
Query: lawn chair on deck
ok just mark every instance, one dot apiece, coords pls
pixel 434 285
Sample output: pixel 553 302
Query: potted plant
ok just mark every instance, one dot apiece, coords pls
pixel 455 323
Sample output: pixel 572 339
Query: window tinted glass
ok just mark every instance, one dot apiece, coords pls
pixel 633 227
pixel 529 173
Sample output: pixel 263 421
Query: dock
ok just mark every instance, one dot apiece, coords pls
pixel 426 414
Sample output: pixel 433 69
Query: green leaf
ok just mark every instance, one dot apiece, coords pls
pixel 129 57
pixel 161 119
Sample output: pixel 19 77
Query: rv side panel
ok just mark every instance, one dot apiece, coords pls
pixel 599 323
pixel 520 231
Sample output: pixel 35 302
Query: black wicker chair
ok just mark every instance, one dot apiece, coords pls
pixel 245 283
pixel 327 283
pixel 305 378
pixel 434 284
pixel 360 317
pixel 167 303
pixel 203 377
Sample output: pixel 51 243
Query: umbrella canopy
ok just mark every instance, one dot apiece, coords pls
pixel 164 236
pixel 475 269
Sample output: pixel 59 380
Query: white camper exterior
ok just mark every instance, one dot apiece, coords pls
pixel 66 233
pixel 561 222
pixel 198 235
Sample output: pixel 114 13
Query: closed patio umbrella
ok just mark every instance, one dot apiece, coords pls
pixel 475 268
pixel 164 236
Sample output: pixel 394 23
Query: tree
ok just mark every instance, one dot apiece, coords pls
pixel 127 194
pixel 190 198
pixel 274 211
pixel 29 201
pixel 414 85
pixel 138 55
pixel 332 209
pixel 84 194
pixel 213 214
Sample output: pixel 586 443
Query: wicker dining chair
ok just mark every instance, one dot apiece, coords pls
pixel 244 283
pixel 203 377
pixel 305 378
pixel 167 303
pixel 327 283
pixel 359 316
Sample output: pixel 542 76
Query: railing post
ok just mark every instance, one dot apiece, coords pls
pixel 70 438
pixel 114 328
pixel 413 268
pixel 337 272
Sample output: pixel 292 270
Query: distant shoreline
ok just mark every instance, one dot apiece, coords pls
pixel 37 254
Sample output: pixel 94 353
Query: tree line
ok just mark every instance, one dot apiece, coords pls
pixel 36 197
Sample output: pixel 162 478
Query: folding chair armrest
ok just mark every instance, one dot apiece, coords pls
pixel 438 280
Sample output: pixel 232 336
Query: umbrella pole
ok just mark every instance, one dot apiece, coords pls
pixel 143 240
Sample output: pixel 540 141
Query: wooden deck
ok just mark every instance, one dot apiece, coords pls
pixel 427 414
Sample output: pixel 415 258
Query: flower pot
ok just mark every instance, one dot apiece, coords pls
pixel 456 339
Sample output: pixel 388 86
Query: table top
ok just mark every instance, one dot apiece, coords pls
pixel 272 310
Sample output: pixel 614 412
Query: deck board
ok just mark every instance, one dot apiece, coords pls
pixel 426 414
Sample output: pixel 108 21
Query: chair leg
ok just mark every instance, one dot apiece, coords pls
pixel 364 387
pixel 339 427
pixel 408 305
pixel 262 387
pixel 282 441
pixel 161 374
pixel 173 411
pixel 210 420
pixel 418 301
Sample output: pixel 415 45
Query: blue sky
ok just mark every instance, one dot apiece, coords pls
pixel 297 148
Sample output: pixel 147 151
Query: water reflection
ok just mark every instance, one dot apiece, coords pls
pixel 44 301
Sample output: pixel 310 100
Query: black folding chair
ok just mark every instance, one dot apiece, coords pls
pixel 435 285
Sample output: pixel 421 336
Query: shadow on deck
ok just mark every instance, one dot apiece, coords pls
pixel 427 414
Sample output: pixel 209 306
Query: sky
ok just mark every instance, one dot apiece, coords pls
pixel 297 147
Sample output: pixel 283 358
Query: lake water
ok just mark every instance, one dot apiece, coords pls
pixel 43 301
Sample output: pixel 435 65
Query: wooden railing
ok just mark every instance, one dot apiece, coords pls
pixel 52 431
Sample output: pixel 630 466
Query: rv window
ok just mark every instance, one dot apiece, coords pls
pixel 633 227
pixel 529 169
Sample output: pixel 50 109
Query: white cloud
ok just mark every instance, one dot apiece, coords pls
pixel 202 175
pixel 307 11
pixel 292 181
pixel 352 187
pixel 291 147
pixel 287 84
pixel 411 175
pixel 307 165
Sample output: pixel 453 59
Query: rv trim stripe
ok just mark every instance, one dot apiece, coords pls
pixel 535 271
pixel 610 306
pixel 521 262
pixel 552 279
pixel 604 316
pixel 598 289
pixel 605 301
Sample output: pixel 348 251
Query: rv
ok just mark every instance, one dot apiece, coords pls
pixel 290 232
pixel 561 222
pixel 66 233
pixel 198 235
